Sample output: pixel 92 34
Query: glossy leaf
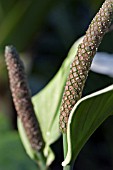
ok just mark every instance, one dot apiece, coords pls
pixel 86 116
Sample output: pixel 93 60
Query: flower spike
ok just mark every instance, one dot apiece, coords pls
pixel 22 98
pixel 81 64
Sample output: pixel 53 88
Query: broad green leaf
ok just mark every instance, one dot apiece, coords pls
pixel 47 105
pixel 47 102
pixel 86 116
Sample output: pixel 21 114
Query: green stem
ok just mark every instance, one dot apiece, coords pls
pixel 65 148
pixel 68 167
pixel 42 161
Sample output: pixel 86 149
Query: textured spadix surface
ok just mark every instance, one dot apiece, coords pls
pixel 83 59
pixel 22 99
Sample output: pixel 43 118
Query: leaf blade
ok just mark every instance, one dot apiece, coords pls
pixel 54 93
pixel 82 125
pixel 47 107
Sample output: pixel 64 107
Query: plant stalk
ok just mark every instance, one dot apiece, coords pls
pixel 42 161
pixel 65 148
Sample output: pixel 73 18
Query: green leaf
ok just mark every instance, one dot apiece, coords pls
pixel 86 116
pixel 47 105
pixel 33 155
pixel 47 102
pixel 24 139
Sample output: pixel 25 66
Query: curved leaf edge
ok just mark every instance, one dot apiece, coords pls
pixel 35 99
pixel 73 112
pixel 48 153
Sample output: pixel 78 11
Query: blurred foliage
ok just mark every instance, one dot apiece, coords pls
pixel 4 124
pixel 45 30
pixel 12 153
pixel 22 20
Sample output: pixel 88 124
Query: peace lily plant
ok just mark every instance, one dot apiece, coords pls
pixel 47 115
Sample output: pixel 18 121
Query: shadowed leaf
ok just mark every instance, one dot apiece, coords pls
pixel 86 116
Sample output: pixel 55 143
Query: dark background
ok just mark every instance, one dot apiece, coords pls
pixel 43 32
